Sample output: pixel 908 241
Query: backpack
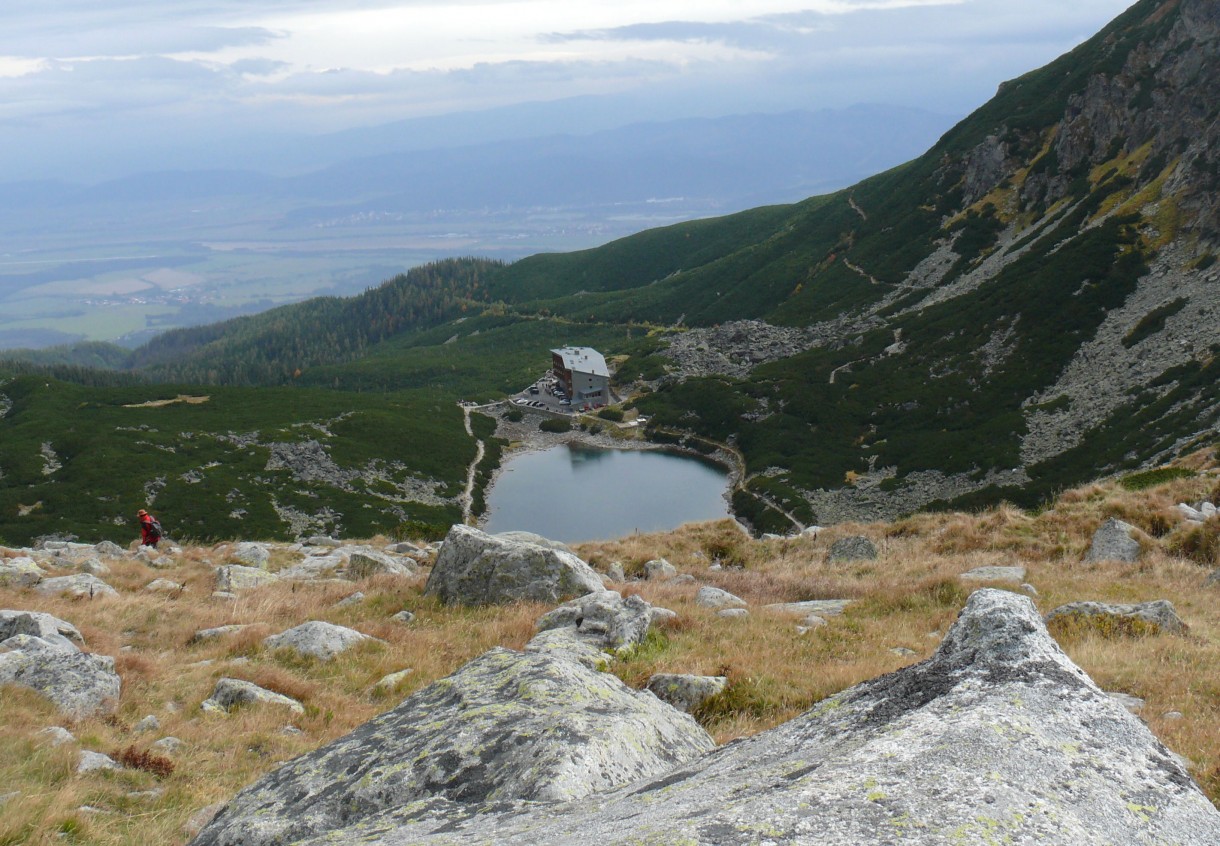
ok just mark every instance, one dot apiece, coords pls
pixel 154 527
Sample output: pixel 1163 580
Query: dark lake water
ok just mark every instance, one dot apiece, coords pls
pixel 573 493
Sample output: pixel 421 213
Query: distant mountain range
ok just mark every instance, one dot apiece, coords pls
pixel 729 162
pixel 1033 302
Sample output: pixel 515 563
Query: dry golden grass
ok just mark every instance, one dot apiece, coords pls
pixel 907 598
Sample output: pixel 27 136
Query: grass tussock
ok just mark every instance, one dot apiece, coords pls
pixel 903 603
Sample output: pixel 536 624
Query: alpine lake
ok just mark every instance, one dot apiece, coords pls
pixel 573 493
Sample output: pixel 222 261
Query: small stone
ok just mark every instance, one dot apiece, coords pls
pixel 81 585
pixel 686 692
pixel 204 635
pixel 317 639
pixel 1172 715
pixel 164 586
pixel 662 616
pixel 252 554
pixel 683 579
pixel 20 572
pixel 109 548
pixel 1132 703
pixel 168 746
pixel 615 572
pixel 1029 589
pixel 94 566
pixel 714 597
pixel 658 569
pixel 92 761
pixel 903 651
pixel 392 680
pixel 232 692
pixel 348 601
pixel 151 793
pixel 1113 542
pixel 235 577
pixel 149 723
pixel 821 607
pixel 291 730
pixel 733 613
pixel 854 548
pixel 403 617
pixel 994 574
pixel 56 735
pixel 1139 618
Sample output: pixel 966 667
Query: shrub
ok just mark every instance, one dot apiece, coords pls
pixel 613 414
pixel 420 530
pixel 137 759
pixel 514 415
pixel 1200 544
pixel 556 424
pixel 1152 478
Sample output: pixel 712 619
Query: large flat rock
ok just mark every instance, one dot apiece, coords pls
pixel 508 726
pixel 998 738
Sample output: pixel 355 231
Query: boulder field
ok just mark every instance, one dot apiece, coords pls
pixel 997 738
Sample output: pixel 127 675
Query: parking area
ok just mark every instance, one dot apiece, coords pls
pixel 547 394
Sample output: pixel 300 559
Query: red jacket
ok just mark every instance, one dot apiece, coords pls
pixel 148 537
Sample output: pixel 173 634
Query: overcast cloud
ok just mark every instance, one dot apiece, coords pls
pixel 126 72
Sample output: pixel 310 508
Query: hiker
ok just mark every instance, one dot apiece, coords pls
pixel 150 529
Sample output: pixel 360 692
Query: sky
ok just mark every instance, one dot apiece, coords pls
pixel 103 85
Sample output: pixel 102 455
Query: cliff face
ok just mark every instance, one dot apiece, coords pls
pixel 1149 96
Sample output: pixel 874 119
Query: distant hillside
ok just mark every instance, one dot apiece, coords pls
pixel 1032 303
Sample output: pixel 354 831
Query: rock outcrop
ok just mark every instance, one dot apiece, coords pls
pixel 714 597
pixel 229 693
pixel 368 562
pixel 686 692
pixel 475 568
pixel 80 585
pixel 998 737
pixel 237 577
pixel 508 726
pixel 20 572
pixel 1113 542
pixel 1141 618
pixel 855 548
pixel 40 652
pixel 318 639
pixel 603 620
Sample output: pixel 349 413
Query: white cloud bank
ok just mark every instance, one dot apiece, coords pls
pixel 144 68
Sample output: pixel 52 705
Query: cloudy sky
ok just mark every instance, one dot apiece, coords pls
pixel 112 75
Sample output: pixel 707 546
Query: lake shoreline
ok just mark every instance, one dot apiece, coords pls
pixel 524 437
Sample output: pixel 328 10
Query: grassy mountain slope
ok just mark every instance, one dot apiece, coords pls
pixel 266 462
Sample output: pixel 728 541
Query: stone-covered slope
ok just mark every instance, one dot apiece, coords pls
pixel 998 737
